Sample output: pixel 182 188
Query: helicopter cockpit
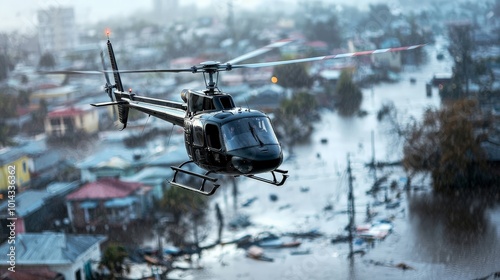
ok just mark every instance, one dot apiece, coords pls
pixel 248 132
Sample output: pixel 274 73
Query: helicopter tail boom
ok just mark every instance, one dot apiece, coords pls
pixel 108 103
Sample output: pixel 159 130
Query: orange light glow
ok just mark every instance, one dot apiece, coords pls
pixel 108 32
pixel 274 80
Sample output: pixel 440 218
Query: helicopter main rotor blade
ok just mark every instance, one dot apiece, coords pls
pixel 157 71
pixel 260 51
pixel 100 72
pixel 327 57
pixel 75 72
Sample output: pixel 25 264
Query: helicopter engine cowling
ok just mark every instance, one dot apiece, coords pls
pixel 185 95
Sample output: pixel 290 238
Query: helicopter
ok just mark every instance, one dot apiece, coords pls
pixel 219 137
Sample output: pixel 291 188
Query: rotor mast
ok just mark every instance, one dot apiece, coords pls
pixel 211 68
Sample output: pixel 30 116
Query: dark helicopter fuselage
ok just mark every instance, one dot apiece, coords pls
pixel 229 140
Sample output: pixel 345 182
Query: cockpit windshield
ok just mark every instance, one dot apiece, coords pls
pixel 248 132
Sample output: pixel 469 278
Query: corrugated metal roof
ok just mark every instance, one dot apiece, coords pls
pixel 27 202
pixel 104 155
pixel 10 155
pixel 50 248
pixel 104 189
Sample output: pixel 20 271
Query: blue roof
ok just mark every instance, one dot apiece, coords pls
pixel 26 202
pixel 50 248
pixel 390 43
pixel 172 156
pixel 62 187
pixel 88 204
pixel 105 155
pixel 150 175
pixel 120 202
pixel 10 155
pixel 30 201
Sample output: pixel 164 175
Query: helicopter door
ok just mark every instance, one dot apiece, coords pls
pixel 213 143
pixel 199 151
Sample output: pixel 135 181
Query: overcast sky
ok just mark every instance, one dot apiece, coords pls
pixel 21 14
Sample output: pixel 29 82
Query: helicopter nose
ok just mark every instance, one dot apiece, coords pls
pixel 258 159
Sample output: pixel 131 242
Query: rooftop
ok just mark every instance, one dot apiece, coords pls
pixel 50 248
pixel 10 155
pixel 26 202
pixel 104 189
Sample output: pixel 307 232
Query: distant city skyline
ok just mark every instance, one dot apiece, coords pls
pixel 22 15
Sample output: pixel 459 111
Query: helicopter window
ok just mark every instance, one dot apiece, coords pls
pixel 196 103
pixel 226 102
pixel 213 137
pixel 198 133
pixel 248 132
pixel 208 104
pixel 201 103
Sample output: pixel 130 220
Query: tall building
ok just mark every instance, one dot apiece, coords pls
pixel 57 29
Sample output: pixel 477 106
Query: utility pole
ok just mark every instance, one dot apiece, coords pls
pixel 373 157
pixel 350 206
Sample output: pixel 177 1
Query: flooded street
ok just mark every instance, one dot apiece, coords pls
pixel 435 238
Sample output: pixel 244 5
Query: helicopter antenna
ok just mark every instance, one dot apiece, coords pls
pixel 248 105
pixel 144 127
pixel 170 136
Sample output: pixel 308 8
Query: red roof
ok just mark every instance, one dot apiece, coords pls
pixel 105 189
pixel 317 44
pixel 66 112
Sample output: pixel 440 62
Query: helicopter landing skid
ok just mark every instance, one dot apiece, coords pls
pixel 274 181
pixel 201 189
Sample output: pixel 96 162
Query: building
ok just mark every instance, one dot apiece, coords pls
pixel 37 210
pixel 113 162
pixel 45 164
pixel 52 255
pixel 71 121
pixel 13 162
pixel 108 203
pixel 57 30
pixel 54 95
pixel 391 60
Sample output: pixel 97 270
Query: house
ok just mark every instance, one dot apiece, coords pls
pixel 112 162
pixel 15 163
pixel 108 202
pixel 53 94
pixel 154 176
pixel 66 121
pixel 50 255
pixel 37 210
pixel 45 165
pixel 391 60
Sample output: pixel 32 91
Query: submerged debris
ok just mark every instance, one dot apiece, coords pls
pixel 257 253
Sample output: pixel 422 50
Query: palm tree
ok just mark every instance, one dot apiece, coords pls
pixel 113 258
pixel 181 204
pixel 349 94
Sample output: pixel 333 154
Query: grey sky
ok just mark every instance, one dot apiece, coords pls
pixel 21 14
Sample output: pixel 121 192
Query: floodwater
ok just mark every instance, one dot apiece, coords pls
pixel 436 238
